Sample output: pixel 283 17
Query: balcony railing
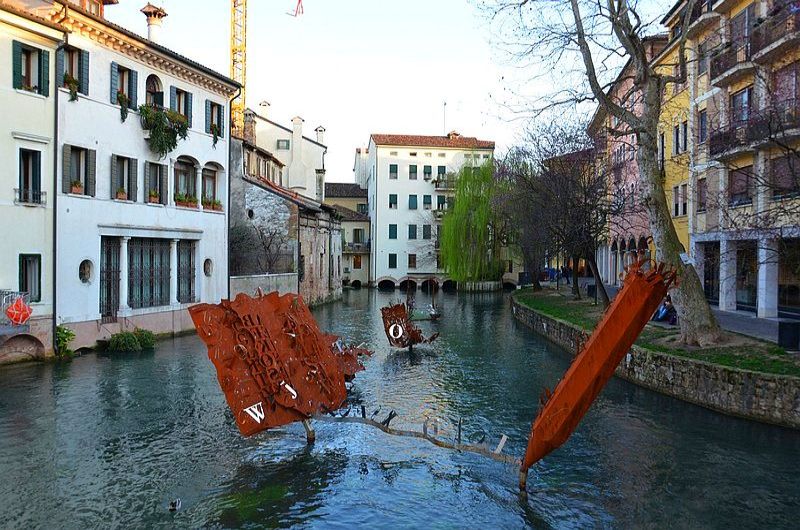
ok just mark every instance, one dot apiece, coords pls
pixel 7 298
pixel 700 9
pixel 357 247
pixel 785 22
pixel 445 184
pixel 729 58
pixel 29 196
pixel 774 121
pixel 729 137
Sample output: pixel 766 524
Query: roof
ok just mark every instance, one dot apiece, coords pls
pixel 287 129
pixel 146 42
pixel 344 189
pixel 264 152
pixel 30 16
pixel 292 196
pixel 452 140
pixel 347 214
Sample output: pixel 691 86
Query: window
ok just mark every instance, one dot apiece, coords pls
pixel 30 68
pixel 684 136
pixel 740 106
pixel 412 231
pixel 155 92
pixel 148 272
pixel 156 182
pixel 412 202
pixel 426 172
pixel 702 127
pixel 441 202
pixel 676 139
pixel 429 154
pixel 123 178
pixel 509 266
pixel 95 7
pixel 676 198
pixel 30 177
pixel 209 184
pixel 392 231
pixel 684 199
pixel 412 172
pixel 412 261
pixel 393 201
pixel 661 150
pixel 741 28
pixel 215 118
pixel 123 86
pixel 356 261
pixel 392 171
pixel 392 261
pixel 785 176
pixel 78 159
pixel 412 153
pixel 283 145
pixel 702 57
pixel 426 202
pixel 186 291
pixel 442 155
pixel 184 180
pixel 72 67
pixel 361 208
pixel 181 102
pixel 739 184
pixel 426 231
pixel 30 276
pixel 702 192
pixel 441 171
pixel 358 235
pixel 392 153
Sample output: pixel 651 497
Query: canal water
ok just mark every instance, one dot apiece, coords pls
pixel 108 440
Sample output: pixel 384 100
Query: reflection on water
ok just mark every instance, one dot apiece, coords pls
pixel 109 440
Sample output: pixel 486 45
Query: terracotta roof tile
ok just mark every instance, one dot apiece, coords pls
pixel 452 140
pixel 349 215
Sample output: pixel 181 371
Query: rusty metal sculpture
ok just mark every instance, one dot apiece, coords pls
pixel 401 332
pixel 273 363
pixel 589 372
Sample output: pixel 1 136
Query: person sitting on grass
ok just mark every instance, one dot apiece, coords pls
pixel 666 312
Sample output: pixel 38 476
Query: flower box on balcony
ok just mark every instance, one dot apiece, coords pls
pixel 122 195
pixel 153 199
pixel 76 188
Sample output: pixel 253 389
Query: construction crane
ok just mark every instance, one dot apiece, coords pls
pixel 239 58
pixel 238 62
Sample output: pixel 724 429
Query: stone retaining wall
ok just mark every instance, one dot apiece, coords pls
pixel 283 283
pixel 475 287
pixel 762 397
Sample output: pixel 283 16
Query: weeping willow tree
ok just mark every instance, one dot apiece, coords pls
pixel 472 232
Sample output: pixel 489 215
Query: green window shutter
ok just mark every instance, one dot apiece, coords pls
pixel 113 176
pixel 16 57
pixel 392 261
pixel 44 72
pixel 133 191
pixel 114 82
pixel 189 108
pixel 133 89
pixel 164 185
pixel 84 67
pixel 60 53
pixel 221 120
pixel 208 116
pixel 66 159
pixel 440 201
pixel 426 200
pixel 173 98
pixel 91 172
pixel 412 231
pixel 146 181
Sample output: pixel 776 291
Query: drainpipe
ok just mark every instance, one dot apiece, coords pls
pixel 230 168
pixel 61 45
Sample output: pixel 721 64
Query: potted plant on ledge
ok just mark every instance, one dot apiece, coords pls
pixel 124 103
pixel 122 195
pixel 217 205
pixel 214 135
pixel 76 187
pixel 152 197
pixel 207 203
pixel 72 85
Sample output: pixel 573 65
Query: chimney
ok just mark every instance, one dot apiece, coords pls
pixel 296 167
pixel 320 134
pixel 265 105
pixel 297 138
pixel 249 127
pixel 154 17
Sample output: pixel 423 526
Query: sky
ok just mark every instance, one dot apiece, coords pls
pixel 356 67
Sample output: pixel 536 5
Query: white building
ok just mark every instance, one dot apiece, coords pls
pixel 303 157
pixel 27 87
pixel 410 182
pixel 140 237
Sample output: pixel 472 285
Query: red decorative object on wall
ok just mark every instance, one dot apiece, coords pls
pixel 19 312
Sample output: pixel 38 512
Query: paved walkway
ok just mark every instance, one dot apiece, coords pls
pixel 742 322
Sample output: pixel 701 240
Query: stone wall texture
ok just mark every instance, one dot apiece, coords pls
pixel 762 397
pixel 283 283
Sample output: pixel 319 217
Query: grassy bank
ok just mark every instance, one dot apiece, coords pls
pixel 735 351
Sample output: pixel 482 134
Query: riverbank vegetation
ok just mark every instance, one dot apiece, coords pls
pixel 733 350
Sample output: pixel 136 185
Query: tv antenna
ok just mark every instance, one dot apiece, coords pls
pixel 298 9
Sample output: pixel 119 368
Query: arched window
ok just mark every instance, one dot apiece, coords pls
pixel 155 92
pixel 184 178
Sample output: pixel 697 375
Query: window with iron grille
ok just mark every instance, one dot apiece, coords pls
pixel 30 177
pixel 148 272
pixel 186 272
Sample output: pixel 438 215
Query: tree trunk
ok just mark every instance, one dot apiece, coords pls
pixel 697 323
pixel 576 290
pixel 598 282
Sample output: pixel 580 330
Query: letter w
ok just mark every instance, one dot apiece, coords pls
pixel 256 412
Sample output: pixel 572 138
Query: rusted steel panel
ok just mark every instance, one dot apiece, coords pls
pixel 591 369
pixel 399 329
pixel 348 356
pixel 273 363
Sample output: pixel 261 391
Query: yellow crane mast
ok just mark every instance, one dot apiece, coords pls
pixel 238 62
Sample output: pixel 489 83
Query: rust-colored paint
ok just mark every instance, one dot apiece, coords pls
pixel 401 332
pixel 273 363
pixel 613 337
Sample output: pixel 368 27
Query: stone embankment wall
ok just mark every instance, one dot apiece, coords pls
pixel 762 397
pixel 475 287
pixel 283 283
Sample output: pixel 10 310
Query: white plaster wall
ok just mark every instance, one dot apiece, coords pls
pixel 93 122
pixel 381 186
pixel 27 122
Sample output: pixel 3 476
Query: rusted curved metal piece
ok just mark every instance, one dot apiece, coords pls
pixel 273 363
pixel 589 372
pixel 399 328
